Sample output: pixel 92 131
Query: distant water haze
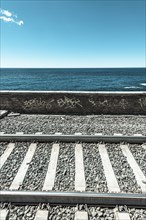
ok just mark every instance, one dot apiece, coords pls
pixel 81 79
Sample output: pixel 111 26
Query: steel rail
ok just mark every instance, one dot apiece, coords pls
pixel 72 198
pixel 72 138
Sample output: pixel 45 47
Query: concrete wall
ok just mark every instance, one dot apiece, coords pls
pixel 81 103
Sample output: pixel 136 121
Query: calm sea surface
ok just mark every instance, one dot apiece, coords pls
pixel 98 79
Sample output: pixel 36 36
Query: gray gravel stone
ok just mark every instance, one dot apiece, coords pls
pixel 20 212
pixel 94 173
pixel 37 170
pixel 140 156
pixel 50 124
pixel 12 164
pixel 122 170
pixel 61 213
pixel 135 214
pixel 3 146
pixel 68 212
pixel 65 173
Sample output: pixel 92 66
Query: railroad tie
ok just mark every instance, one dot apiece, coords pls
pixel 18 180
pixel 139 135
pixel 118 134
pixel 1 133
pixel 121 215
pixel 58 133
pixel 144 146
pixel 51 172
pixel 108 170
pixel 4 214
pixel 19 133
pixel 41 215
pixel 81 215
pixel 80 184
pixel 139 176
pixel 6 154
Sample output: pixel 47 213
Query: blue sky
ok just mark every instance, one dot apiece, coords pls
pixel 73 33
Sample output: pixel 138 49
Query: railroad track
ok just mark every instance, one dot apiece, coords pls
pixel 27 200
pixel 116 138
pixel 96 170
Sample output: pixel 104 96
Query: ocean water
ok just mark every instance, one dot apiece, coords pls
pixel 89 79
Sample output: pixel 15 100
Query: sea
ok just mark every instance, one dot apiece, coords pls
pixel 73 79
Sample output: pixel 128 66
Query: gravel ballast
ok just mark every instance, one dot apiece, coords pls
pixel 50 124
pixel 12 164
pixel 140 156
pixel 134 213
pixel 94 174
pixel 68 212
pixel 122 170
pixel 65 173
pixel 3 146
pixel 37 170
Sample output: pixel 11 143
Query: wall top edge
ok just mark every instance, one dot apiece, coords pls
pixel 71 92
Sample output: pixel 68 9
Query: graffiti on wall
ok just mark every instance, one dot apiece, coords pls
pixel 69 102
pixel 123 103
pixel 142 102
pixel 38 103
pixel 73 102
pixel 98 102
pixel 63 102
pixel 92 101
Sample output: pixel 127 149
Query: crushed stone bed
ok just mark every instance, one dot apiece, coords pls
pixel 65 173
pixel 37 170
pixel 95 179
pixel 50 124
pixel 3 146
pixel 12 164
pixel 140 156
pixel 122 170
pixel 94 173
pixel 68 212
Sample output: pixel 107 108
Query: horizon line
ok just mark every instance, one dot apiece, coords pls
pixel 69 67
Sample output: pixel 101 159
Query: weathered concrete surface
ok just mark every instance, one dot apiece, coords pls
pixel 56 102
